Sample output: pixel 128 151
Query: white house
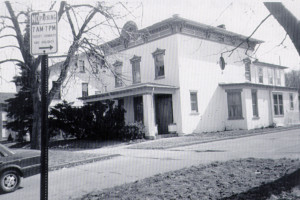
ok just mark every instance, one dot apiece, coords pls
pixel 169 76
pixel 7 91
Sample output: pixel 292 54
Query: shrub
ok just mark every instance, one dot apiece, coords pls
pixel 93 121
pixel 10 138
pixel 133 131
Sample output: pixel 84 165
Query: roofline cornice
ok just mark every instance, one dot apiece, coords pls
pixel 178 25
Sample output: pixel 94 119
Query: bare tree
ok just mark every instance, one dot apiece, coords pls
pixel 81 25
pixel 287 20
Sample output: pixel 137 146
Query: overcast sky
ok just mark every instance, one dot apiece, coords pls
pixel 240 16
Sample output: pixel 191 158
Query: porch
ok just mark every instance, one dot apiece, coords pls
pixel 149 103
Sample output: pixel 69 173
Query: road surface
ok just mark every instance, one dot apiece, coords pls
pixel 135 164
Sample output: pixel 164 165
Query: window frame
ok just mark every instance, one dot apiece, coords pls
pixel 118 72
pixel 247 63
pixel 230 104
pixel 57 95
pixel 277 105
pixel 84 93
pixel 254 104
pixel 271 76
pixel 155 54
pixel 192 102
pixel 292 105
pixel 81 67
pixel 278 77
pixel 260 75
pixel 136 66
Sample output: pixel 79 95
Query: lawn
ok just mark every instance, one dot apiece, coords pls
pixel 232 180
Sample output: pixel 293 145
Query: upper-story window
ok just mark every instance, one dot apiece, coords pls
pixel 118 73
pixel 81 66
pixel 158 56
pixel 57 94
pixel 260 75
pixel 136 69
pixel 85 89
pixel 271 76
pixel 278 77
pixel 247 69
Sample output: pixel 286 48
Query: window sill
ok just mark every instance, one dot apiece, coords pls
pixel 194 113
pixel 236 118
pixel 255 118
pixel 159 77
pixel 279 116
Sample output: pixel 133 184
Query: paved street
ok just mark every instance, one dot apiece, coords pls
pixel 135 164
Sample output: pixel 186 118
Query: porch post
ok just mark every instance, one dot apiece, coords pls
pixel 149 119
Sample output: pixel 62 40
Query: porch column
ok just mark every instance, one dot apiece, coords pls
pixel 149 119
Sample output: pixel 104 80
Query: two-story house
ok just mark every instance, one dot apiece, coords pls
pixel 183 76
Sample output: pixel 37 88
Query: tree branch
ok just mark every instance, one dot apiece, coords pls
pixel 71 23
pixel 247 39
pixel 11 60
pixel 17 29
pixel 10 46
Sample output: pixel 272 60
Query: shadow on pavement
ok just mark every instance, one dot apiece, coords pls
pixel 285 183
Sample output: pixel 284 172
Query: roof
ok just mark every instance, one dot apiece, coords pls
pixel 255 85
pixel 132 90
pixel 207 27
pixel 179 25
pixel 4 96
pixel 256 62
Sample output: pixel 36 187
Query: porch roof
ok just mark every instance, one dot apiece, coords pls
pixel 256 86
pixel 132 90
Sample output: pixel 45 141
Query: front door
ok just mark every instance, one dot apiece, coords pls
pixel 164 112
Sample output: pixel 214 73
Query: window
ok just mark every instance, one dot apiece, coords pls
pixel 278 77
pixel 158 56
pixel 118 73
pixel 270 75
pixel 85 89
pixel 278 104
pixel 194 102
pixel 291 102
pixel 254 103
pixel 57 88
pixel 81 66
pixel 234 104
pixel 260 75
pixel 136 71
pixel 247 70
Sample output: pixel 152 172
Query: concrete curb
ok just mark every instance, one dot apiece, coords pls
pixel 82 162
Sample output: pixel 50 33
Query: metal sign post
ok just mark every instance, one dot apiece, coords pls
pixel 43 41
pixel 44 131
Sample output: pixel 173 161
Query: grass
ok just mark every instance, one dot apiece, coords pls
pixel 236 179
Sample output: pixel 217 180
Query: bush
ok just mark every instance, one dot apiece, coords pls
pixel 133 131
pixel 92 121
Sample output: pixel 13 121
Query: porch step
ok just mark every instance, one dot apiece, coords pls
pixel 167 135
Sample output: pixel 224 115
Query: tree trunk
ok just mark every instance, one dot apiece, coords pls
pixel 36 118
pixel 36 123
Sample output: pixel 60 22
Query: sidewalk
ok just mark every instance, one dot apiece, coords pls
pixel 197 138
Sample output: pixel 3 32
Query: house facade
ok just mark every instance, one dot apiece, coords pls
pixel 182 76
pixel 7 91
